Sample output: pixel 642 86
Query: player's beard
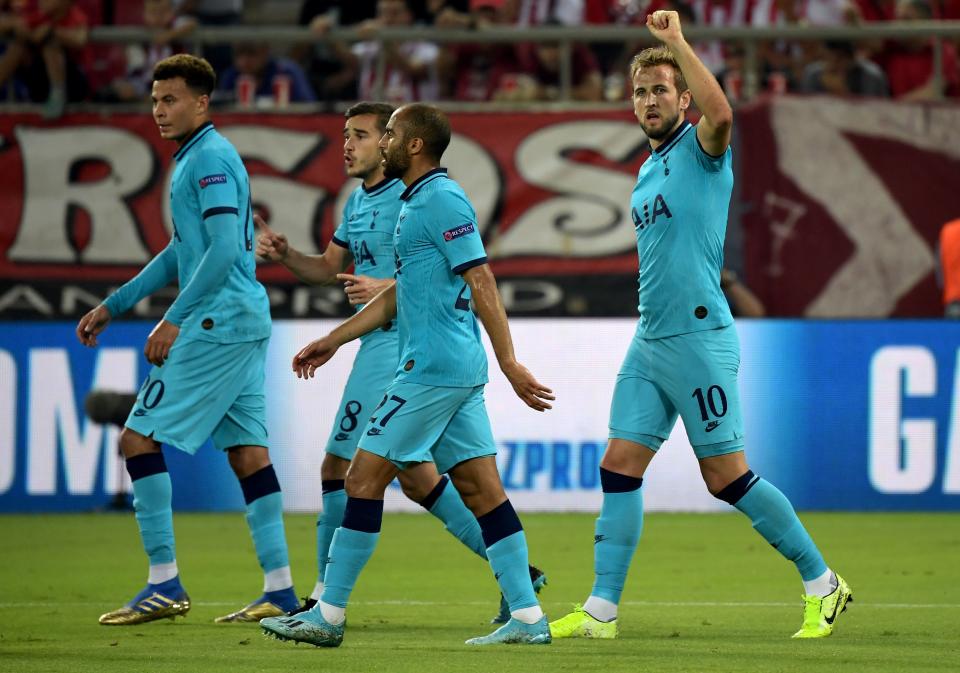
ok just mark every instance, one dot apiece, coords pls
pixel 396 163
pixel 666 127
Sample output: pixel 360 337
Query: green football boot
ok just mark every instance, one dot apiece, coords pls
pixel 581 624
pixel 820 614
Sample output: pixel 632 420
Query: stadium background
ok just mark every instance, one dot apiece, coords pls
pixel 851 385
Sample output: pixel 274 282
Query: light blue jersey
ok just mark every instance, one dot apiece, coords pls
pixel 679 209
pixel 436 240
pixel 210 180
pixel 369 220
pixel 211 252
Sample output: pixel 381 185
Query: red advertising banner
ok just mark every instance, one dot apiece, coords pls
pixel 85 202
pixel 840 202
pixel 843 201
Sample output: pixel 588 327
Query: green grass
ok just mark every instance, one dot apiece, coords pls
pixel 705 594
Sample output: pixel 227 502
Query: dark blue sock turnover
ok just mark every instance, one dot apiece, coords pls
pixel 145 465
pixel 738 488
pixel 330 485
pixel 363 515
pixel 500 522
pixel 260 483
pixel 434 495
pixel 614 482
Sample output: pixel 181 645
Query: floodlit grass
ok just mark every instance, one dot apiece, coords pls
pixel 705 594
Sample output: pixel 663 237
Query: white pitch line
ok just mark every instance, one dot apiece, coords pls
pixel 667 604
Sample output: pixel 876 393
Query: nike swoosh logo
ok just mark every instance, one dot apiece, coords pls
pixel 712 425
pixel 836 609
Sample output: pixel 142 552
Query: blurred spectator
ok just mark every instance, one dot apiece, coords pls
pixel 254 60
pixel 448 13
pixel 541 62
pixel 909 62
pixel 877 10
pixel 215 13
pixel 843 72
pixel 160 17
pixel 330 80
pixel 11 22
pixel 949 268
pixel 322 15
pixel 411 72
pixel 539 12
pixel 48 54
pixel 475 72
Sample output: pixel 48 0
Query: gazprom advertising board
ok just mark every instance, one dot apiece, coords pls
pixel 840 415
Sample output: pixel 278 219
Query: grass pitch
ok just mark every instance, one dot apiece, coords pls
pixel 705 594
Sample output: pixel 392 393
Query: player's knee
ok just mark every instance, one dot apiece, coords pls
pixel 132 443
pixel 730 491
pixel 357 486
pixel 414 490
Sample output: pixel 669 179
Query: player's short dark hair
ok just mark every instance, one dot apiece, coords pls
pixel 195 71
pixel 428 123
pixel 654 56
pixel 382 111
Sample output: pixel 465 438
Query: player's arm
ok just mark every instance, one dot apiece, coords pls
pixel 489 308
pixel 156 275
pixel 311 269
pixel 377 313
pixel 716 124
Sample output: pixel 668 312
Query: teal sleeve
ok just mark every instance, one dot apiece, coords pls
pixel 156 275
pixel 214 266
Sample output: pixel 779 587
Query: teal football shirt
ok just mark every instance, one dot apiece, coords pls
pixel 679 209
pixel 210 180
pixel 436 240
pixel 366 230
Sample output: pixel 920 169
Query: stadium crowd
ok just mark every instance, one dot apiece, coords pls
pixel 47 56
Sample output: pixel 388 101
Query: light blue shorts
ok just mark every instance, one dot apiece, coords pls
pixel 417 424
pixel 373 370
pixel 693 375
pixel 205 390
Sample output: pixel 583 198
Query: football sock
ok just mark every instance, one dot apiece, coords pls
pixel 162 572
pixel 152 498
pixel 261 492
pixel 773 517
pixel 507 553
pixel 821 586
pixel 445 503
pixel 600 609
pixel 351 548
pixel 334 502
pixel 616 535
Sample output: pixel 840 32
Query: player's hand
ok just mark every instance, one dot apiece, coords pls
pixel 665 26
pixel 92 324
pixel 270 245
pixel 533 393
pixel 160 342
pixel 313 356
pixel 361 289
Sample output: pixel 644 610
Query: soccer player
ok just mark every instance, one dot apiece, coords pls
pixel 208 352
pixel 434 408
pixel 365 238
pixel 684 358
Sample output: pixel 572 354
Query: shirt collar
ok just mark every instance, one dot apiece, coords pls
pixel 419 182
